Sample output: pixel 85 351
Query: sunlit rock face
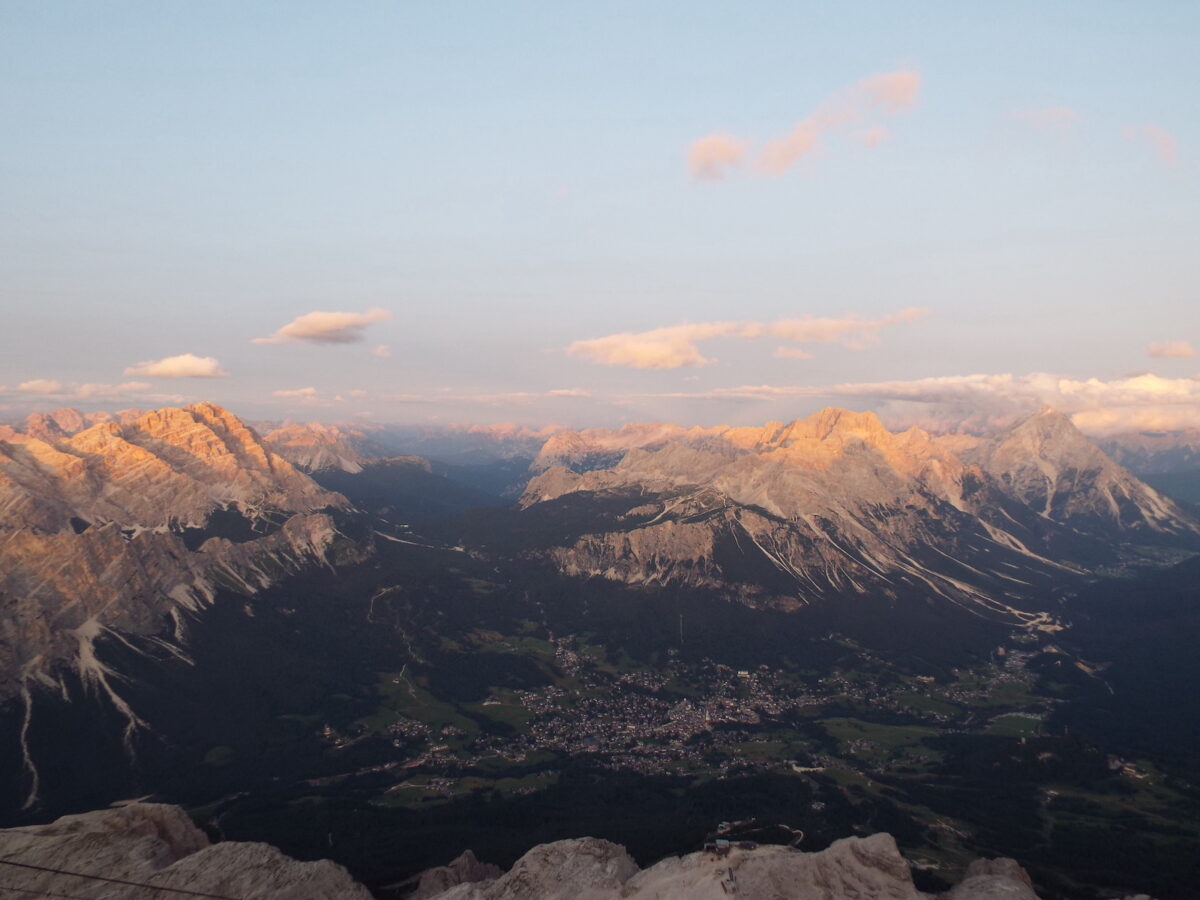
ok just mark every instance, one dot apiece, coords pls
pixel 836 503
pixel 124 524
pixel 314 447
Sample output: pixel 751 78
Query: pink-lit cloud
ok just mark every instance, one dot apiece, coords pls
pixel 1171 350
pixel 40 386
pixel 186 365
pixel 677 347
pixel 1164 144
pixel 888 93
pixel 327 327
pixel 88 392
pixel 383 350
pixel 304 393
pixel 858 106
pixel 792 353
pixel 709 158
pixel 876 135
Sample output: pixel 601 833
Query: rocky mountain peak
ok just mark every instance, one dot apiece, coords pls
pixel 92 527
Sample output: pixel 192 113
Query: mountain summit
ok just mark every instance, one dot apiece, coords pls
pixel 835 503
pixel 132 524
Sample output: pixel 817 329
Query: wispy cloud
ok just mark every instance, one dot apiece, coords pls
pixel 1164 144
pixel 43 389
pixel 710 157
pixel 327 327
pixel 855 107
pixel 677 346
pixel 186 365
pixel 40 386
pixel 304 393
pixel 1171 350
pixel 383 350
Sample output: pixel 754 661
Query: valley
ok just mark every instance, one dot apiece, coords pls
pixel 884 646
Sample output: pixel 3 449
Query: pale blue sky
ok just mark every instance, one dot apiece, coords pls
pixel 507 179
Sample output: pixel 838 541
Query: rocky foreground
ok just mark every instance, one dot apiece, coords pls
pixel 144 851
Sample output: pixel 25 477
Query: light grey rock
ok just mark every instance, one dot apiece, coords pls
pixel 158 846
pixel 994 879
pixel 465 869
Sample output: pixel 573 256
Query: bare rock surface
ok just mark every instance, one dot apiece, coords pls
pixel 464 869
pixel 860 868
pixel 836 504
pixel 156 846
pixel 993 879
pixel 93 518
pixel 314 447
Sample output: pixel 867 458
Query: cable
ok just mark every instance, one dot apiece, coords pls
pixel 141 884
pixel 43 893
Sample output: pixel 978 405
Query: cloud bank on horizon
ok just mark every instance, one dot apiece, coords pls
pixel 980 402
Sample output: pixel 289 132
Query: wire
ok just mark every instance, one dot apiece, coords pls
pixel 141 884
pixel 43 893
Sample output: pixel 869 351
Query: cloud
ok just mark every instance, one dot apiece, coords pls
pixel 709 157
pixel 1164 144
pixel 792 353
pixel 382 350
pixel 876 135
pixel 186 365
pixel 676 346
pixel 977 402
pixel 1053 119
pixel 885 94
pixel 888 93
pixel 893 91
pixel 40 386
pixel 358 393
pixel 305 393
pixel 91 391
pixel 1171 350
pixel 326 327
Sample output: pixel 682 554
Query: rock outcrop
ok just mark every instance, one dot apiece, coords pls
pixel 134 851
pixel 464 869
pixel 863 868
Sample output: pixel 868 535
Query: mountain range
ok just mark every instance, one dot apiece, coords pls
pixel 398 614
pixel 836 504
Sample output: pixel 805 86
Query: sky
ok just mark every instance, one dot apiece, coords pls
pixel 589 214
